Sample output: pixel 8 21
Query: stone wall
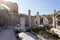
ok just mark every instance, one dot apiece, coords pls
pixel 8 19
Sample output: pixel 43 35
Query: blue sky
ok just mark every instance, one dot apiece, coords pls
pixel 43 6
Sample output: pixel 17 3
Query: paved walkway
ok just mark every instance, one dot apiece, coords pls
pixel 7 34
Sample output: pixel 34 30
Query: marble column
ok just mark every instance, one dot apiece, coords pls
pixel 54 19
pixel 53 24
pixel 29 18
pixel 45 21
pixel 22 23
pixel 38 19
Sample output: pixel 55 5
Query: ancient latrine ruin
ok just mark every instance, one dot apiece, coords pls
pixel 11 17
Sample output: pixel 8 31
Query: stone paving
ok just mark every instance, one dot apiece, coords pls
pixel 7 34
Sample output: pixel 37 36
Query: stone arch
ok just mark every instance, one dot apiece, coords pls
pixel 5 6
pixel 13 6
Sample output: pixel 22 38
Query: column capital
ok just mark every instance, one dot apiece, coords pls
pixel 54 10
pixel 38 13
pixel 29 11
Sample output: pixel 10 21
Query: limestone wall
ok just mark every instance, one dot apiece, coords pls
pixel 7 19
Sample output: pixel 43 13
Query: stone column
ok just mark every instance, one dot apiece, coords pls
pixel 45 21
pixel 29 18
pixel 38 19
pixel 22 22
pixel 53 24
pixel 54 19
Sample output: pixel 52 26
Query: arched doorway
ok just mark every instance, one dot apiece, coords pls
pixel 4 7
pixel 13 6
